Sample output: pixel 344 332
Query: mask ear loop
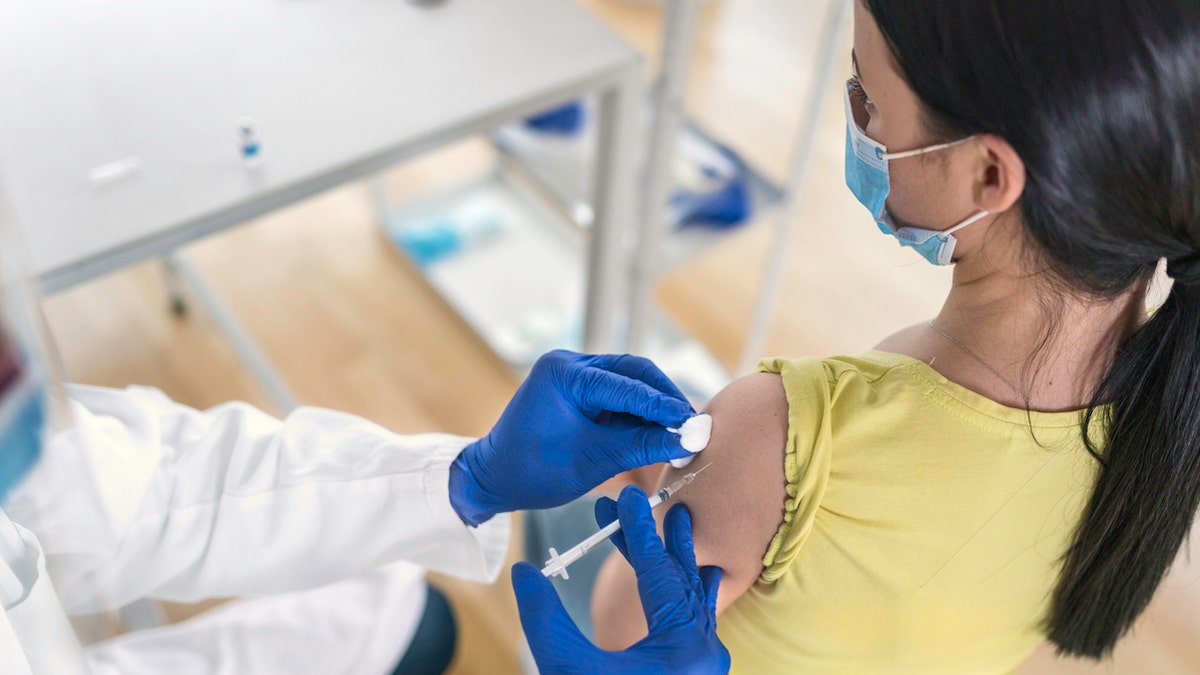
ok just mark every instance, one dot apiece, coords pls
pixel 969 221
pixel 921 151
pixel 946 251
pixel 930 234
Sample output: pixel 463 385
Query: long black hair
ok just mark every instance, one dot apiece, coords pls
pixel 1101 100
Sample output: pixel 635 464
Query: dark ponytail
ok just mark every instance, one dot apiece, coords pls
pixel 1101 101
pixel 1148 490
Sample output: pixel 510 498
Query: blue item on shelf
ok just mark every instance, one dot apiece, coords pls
pixel 729 204
pixel 565 120
pixel 433 239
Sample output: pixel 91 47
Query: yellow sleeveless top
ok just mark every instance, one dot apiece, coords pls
pixel 924 528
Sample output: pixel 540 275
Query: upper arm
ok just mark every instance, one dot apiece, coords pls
pixel 737 504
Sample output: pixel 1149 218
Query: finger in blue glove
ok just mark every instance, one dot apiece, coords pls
pixel 640 369
pixel 666 592
pixel 677 533
pixel 606 512
pixel 710 583
pixel 596 390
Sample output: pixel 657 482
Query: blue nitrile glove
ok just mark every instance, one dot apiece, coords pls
pixel 565 120
pixel 575 422
pixel 679 601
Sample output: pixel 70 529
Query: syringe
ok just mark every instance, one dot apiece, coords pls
pixel 557 564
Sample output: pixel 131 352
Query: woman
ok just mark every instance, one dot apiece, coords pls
pixel 1026 464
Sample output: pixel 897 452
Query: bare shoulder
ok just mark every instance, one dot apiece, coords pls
pixel 737 504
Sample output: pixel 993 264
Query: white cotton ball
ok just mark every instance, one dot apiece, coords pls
pixel 695 432
pixel 693 436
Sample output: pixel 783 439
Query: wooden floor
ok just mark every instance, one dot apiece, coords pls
pixel 352 326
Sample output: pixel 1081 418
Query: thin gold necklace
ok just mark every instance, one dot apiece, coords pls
pixel 980 361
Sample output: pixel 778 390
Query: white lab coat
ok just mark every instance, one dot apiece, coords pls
pixel 316 509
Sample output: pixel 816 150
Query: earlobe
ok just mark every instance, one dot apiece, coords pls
pixel 1001 176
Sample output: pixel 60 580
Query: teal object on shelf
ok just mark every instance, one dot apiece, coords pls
pixel 433 239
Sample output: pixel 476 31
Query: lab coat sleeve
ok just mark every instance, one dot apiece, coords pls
pixel 358 626
pixel 234 502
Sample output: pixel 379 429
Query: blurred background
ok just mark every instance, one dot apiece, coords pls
pixel 377 296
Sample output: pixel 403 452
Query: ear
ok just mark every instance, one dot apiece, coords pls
pixel 1000 178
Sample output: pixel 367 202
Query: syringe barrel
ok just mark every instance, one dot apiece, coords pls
pixel 660 497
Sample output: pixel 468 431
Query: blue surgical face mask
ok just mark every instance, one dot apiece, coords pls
pixel 867 178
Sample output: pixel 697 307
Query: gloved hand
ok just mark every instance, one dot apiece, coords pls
pixel 679 601
pixel 575 422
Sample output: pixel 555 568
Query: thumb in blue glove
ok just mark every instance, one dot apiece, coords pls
pixel 679 602
pixel 575 422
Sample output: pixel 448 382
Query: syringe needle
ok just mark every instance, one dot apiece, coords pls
pixel 558 562
pixel 692 476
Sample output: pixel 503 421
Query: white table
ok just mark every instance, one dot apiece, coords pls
pixel 340 89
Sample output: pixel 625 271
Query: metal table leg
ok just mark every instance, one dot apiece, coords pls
pixel 258 365
pixel 615 209
pixel 175 290
pixel 678 37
